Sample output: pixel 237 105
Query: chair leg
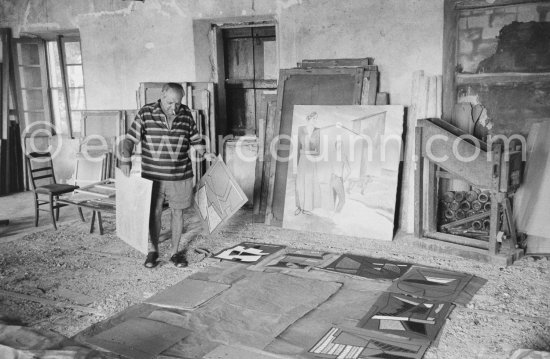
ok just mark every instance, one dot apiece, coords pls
pixel 51 212
pixel 92 222
pixel 81 214
pixel 56 209
pixel 100 223
pixel 36 210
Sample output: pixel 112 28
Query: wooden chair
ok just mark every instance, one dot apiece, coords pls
pixel 51 189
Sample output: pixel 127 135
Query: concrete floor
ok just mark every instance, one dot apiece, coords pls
pixel 18 208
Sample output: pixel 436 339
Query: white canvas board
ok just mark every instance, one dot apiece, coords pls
pixel 343 170
pixel 133 201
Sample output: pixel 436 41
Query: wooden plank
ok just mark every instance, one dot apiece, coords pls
pixel 450 24
pixel 418 185
pixel 319 63
pixel 337 86
pixel 466 241
pixel 477 171
pixel 432 200
pixel 259 165
pixel 475 217
pixel 5 34
pixel 133 200
pixel 480 4
pixel 502 78
pixel 268 176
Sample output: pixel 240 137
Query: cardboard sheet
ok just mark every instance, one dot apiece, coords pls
pixel 368 267
pixel 133 202
pixel 188 294
pixel 406 316
pixel 139 338
pixel 438 284
pixel 240 352
pixel 256 308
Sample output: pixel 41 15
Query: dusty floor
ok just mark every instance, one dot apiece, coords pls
pixel 88 277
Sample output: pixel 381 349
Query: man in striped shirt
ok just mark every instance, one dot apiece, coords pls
pixel 166 130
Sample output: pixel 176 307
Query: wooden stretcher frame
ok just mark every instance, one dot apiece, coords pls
pixel 283 126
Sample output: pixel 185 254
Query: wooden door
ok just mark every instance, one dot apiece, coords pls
pixel 251 70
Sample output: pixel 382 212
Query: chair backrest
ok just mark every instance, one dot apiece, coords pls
pixel 40 167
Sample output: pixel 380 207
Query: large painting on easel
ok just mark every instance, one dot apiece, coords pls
pixel 343 170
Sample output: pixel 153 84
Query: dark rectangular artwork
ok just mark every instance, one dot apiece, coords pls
pixel 438 284
pixel 297 261
pixel 368 267
pixel 248 252
pixel 348 343
pixel 406 316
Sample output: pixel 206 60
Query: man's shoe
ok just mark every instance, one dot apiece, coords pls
pixel 179 259
pixel 151 260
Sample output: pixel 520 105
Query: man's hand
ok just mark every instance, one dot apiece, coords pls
pixel 209 156
pixel 126 168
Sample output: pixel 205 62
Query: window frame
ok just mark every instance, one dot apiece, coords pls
pixel 42 41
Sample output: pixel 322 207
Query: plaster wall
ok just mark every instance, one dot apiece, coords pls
pixel 127 42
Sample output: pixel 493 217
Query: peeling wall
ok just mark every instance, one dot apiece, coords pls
pixel 127 42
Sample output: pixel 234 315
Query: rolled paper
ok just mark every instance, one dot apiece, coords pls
pixel 448 197
pixel 459 196
pixel 476 205
pixel 483 197
pixel 486 224
pixel 487 206
pixel 454 205
pixel 477 225
pixel 471 196
pixel 465 206
pixel 460 214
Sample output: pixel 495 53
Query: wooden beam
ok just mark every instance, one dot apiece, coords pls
pixel 481 4
pixel 466 241
pixel 502 78
pixel 450 23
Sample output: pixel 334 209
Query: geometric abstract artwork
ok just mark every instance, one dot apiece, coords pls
pixel 438 284
pixel 348 343
pixel 299 259
pixel 218 195
pixel 406 316
pixel 368 267
pixel 343 170
pixel 248 252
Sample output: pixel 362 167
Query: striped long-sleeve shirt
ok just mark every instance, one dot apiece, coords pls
pixel 164 150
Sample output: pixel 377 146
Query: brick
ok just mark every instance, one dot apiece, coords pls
pixel 490 33
pixel 478 21
pixel 500 20
pixel 462 23
pixel 527 13
pixel 465 46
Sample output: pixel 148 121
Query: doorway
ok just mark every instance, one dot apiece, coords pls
pixel 250 71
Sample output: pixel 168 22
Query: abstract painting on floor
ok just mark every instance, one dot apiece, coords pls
pixel 343 170
pixel 351 343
